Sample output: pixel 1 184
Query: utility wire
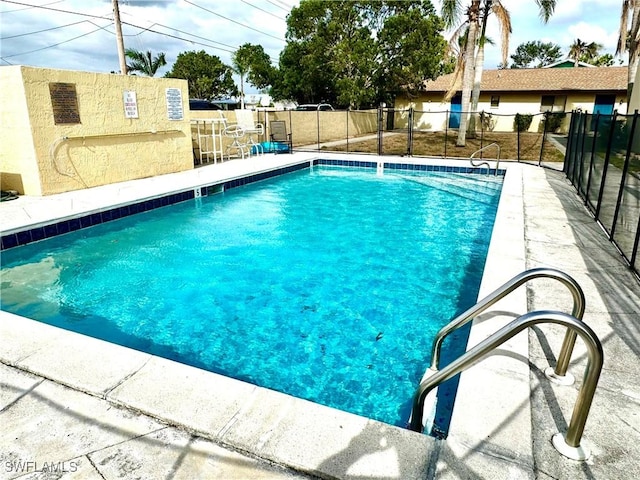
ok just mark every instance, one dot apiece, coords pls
pixel 234 21
pixel 286 7
pixel 263 10
pixel 60 43
pixel 280 6
pixel 40 31
pixel 143 29
pixel 30 6
pixel 59 10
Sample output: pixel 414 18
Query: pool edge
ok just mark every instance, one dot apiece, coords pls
pixel 420 446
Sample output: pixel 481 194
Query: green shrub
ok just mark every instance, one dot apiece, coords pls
pixel 522 122
pixel 553 121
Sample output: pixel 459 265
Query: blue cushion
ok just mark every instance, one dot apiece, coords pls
pixel 275 147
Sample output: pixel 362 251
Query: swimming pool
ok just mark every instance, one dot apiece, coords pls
pixel 339 270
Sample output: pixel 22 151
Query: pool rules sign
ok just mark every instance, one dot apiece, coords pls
pixel 174 104
pixel 130 104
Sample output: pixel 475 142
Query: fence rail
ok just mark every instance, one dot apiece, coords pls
pixel 603 164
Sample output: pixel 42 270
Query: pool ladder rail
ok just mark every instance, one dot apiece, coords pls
pixel 569 444
pixel 480 164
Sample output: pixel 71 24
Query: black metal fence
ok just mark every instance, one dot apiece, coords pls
pixel 532 138
pixel 603 163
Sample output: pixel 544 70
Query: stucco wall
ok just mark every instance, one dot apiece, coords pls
pixel 334 125
pixel 634 103
pixel 104 147
pixel 18 166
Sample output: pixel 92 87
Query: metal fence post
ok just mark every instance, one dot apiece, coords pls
pixel 517 121
pixel 605 167
pixel 481 118
pixel 318 126
pixel 446 132
pixel 625 170
pixel 410 134
pixel 581 163
pixel 348 129
pixel 547 115
pixel 380 119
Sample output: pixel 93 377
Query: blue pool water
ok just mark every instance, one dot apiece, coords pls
pixel 327 284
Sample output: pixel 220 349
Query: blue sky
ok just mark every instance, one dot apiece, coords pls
pixel 589 20
pixel 55 37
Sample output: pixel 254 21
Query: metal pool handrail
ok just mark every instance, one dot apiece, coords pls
pixel 569 444
pixel 503 291
pixel 486 163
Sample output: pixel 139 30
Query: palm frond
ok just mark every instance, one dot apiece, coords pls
pixel 547 8
pixel 451 12
pixel 623 34
pixel 504 22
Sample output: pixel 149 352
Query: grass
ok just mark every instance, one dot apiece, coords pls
pixel 439 144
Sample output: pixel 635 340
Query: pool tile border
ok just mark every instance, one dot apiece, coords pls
pixel 68 225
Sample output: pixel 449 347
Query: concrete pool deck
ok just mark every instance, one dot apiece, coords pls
pixel 98 410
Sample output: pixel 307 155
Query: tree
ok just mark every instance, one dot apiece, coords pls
pixel 535 54
pixel 206 75
pixel 358 53
pixel 629 39
pixel 144 62
pixel 451 13
pixel 252 61
pixel 580 51
pixel 605 60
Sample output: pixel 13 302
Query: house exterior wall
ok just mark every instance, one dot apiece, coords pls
pixel 432 112
pixel 104 146
pixel 634 102
pixel 634 105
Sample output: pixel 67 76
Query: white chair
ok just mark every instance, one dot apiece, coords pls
pixel 244 119
pixel 237 133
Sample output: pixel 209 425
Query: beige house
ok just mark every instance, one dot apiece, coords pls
pixel 526 91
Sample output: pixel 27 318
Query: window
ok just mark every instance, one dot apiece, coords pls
pixel 495 101
pixel 553 103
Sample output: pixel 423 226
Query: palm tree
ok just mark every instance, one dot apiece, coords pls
pixel 629 39
pixel 504 22
pixel 451 12
pixel 582 51
pixel 144 62
pixel 241 60
pixel 450 15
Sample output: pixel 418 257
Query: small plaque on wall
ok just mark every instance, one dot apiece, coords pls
pixel 130 104
pixel 174 104
pixel 64 102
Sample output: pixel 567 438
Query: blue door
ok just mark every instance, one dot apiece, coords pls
pixel 456 108
pixel 603 105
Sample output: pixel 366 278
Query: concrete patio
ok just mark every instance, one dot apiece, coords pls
pixel 76 407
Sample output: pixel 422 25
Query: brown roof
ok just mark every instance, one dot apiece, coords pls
pixel 544 79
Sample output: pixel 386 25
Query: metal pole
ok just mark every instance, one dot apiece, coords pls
pixel 318 126
pixel 446 132
pixel 605 167
pixel 380 120
pixel 518 133
pixel 547 115
pixel 347 129
pixel 119 41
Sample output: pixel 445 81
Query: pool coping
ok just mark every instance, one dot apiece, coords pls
pixel 295 433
